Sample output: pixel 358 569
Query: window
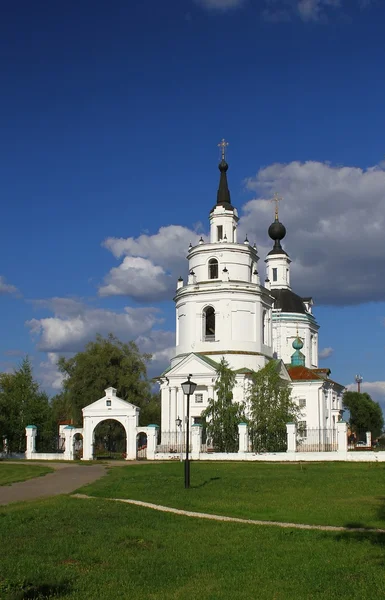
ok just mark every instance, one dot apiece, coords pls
pixel 275 276
pixel 198 397
pixel 209 324
pixel 108 402
pixel 302 402
pixel 213 268
pixel 302 430
pixel 219 233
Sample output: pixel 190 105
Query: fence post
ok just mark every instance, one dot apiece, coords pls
pixel 152 440
pixel 243 432
pixel 342 436
pixel 196 440
pixel 368 439
pixel 291 432
pixel 30 432
pixel 69 442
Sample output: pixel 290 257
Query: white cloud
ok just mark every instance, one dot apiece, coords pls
pixel 72 327
pixel 335 220
pixel 74 324
pixel 309 11
pixel 49 374
pixel 151 265
pixel 136 277
pixel 220 4
pixel 325 353
pixel 7 288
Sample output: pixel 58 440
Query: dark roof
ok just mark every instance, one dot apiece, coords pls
pixel 288 301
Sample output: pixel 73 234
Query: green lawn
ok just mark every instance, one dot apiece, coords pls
pixel 90 549
pixel 11 473
pixel 318 493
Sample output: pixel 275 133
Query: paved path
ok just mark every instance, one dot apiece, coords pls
pixel 199 515
pixel 66 478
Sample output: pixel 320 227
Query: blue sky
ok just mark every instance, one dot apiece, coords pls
pixel 110 117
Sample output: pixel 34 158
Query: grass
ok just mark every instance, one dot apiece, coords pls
pixel 315 493
pixel 69 548
pixel 11 473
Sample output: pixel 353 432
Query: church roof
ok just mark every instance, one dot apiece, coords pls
pixel 288 301
pixel 300 373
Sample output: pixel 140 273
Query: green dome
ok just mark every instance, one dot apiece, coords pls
pixel 297 344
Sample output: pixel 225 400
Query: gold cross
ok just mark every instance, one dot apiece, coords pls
pixel 276 199
pixel 223 145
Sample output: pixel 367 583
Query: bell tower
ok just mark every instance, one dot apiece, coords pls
pixel 222 309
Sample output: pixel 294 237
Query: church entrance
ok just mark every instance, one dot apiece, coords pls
pixel 110 440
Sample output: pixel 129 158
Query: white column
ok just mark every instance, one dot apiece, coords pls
pixel 342 436
pixel 173 408
pixel 291 431
pixel 130 427
pixel 152 440
pixel 243 437
pixel 196 440
pixel 87 439
pixel 30 432
pixel 369 439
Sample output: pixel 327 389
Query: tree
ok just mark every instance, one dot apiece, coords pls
pixel 104 363
pixel 365 413
pixel 270 408
pixel 223 414
pixel 21 404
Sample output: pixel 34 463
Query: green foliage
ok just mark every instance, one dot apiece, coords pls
pixel 104 363
pixel 365 413
pixel 270 408
pixel 224 415
pixel 21 404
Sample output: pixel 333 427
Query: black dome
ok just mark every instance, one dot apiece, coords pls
pixel 277 231
pixel 223 166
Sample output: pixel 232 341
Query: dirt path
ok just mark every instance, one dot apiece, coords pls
pixel 198 515
pixel 66 478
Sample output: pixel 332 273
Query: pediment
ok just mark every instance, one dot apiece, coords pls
pixel 195 364
pixel 111 403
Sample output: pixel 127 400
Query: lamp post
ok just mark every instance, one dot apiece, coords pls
pixel 188 388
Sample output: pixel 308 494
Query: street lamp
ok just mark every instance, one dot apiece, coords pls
pixel 188 388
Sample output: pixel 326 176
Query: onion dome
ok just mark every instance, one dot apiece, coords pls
pixel 297 358
pixel 298 343
pixel 277 232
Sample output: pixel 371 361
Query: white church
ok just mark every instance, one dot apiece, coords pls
pixel 225 309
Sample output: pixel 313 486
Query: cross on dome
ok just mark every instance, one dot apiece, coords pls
pixel 223 145
pixel 277 199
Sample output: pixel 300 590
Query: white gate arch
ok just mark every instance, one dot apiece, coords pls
pixel 110 407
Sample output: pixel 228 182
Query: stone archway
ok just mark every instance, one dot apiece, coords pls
pixel 77 446
pixel 110 407
pixel 141 445
pixel 110 440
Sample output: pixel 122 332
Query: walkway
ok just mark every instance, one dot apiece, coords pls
pixel 66 479
pixel 198 515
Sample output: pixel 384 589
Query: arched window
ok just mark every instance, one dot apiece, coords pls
pixel 213 268
pixel 209 324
